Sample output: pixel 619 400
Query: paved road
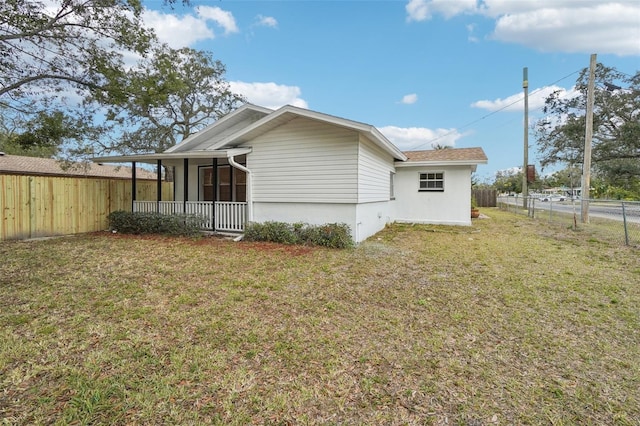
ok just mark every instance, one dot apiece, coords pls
pixel 606 210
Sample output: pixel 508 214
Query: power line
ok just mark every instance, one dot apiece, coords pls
pixel 491 113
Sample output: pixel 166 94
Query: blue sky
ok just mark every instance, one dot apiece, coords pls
pixel 423 72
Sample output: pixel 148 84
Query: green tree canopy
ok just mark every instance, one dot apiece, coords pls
pixel 61 63
pixel 169 95
pixel 616 126
pixel 54 46
pixel 508 181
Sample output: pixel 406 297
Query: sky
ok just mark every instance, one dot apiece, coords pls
pixel 424 72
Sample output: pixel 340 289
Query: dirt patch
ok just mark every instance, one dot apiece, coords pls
pixel 216 239
pixel 292 250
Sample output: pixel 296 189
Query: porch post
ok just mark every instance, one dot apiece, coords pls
pixel 159 186
pixel 185 186
pixel 214 182
pixel 133 186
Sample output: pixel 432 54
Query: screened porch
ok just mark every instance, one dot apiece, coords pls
pixel 214 185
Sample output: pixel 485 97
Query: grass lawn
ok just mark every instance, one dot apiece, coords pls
pixel 510 321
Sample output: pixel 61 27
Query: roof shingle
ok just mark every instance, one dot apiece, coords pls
pixel 451 154
pixel 17 164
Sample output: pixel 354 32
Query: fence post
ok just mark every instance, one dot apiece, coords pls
pixel 624 221
pixel 32 206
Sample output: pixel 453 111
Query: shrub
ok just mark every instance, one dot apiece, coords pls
pixel 332 235
pixel 277 232
pixel 154 223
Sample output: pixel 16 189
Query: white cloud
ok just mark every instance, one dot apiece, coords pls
pixel 409 99
pixel 471 28
pixel 417 10
pixel 177 31
pixel 418 138
pixel 267 21
pixel 605 28
pixel 221 17
pixel 422 10
pixel 180 31
pixel 270 95
pixel 515 102
pixel 576 26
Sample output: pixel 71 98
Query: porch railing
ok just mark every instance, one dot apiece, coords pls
pixel 218 216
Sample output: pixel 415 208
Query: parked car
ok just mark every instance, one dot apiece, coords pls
pixel 549 198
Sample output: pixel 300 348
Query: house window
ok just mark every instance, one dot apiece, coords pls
pixel 431 181
pixel 228 184
pixel 392 195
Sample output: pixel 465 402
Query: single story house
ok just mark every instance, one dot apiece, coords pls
pixel 296 165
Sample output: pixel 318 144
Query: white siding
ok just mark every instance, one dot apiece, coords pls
pixel 374 167
pixel 305 161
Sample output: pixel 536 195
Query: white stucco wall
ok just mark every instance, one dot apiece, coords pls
pixel 364 219
pixel 311 213
pixel 371 218
pixel 451 206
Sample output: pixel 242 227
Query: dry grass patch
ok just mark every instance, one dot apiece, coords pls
pixel 505 322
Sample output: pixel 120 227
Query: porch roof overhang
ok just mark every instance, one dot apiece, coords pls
pixel 154 157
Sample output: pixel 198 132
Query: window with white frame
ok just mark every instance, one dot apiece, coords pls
pixel 431 181
pixel 392 195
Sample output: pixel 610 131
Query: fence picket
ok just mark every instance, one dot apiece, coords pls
pixel 41 206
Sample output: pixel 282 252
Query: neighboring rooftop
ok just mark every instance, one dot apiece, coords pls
pixel 17 164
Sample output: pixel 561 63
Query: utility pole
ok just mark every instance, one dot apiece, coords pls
pixel 588 136
pixel 525 86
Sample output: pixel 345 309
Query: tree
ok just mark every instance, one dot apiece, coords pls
pixel 616 124
pixel 41 135
pixel 508 181
pixel 170 95
pixel 51 47
pixel 54 50
pixel 568 177
pixel 438 146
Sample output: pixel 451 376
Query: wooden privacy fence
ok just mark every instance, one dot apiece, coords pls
pixel 485 197
pixel 42 206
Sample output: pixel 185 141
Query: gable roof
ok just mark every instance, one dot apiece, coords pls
pixel 35 166
pixel 250 121
pixel 288 112
pixel 449 156
pixel 223 127
pixel 225 136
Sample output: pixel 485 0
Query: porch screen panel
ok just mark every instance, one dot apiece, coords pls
pixel 241 186
pixel 207 185
pixel 224 183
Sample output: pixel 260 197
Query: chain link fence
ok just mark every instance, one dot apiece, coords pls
pixel 614 221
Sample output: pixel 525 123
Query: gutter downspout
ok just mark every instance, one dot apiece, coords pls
pixel 232 161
